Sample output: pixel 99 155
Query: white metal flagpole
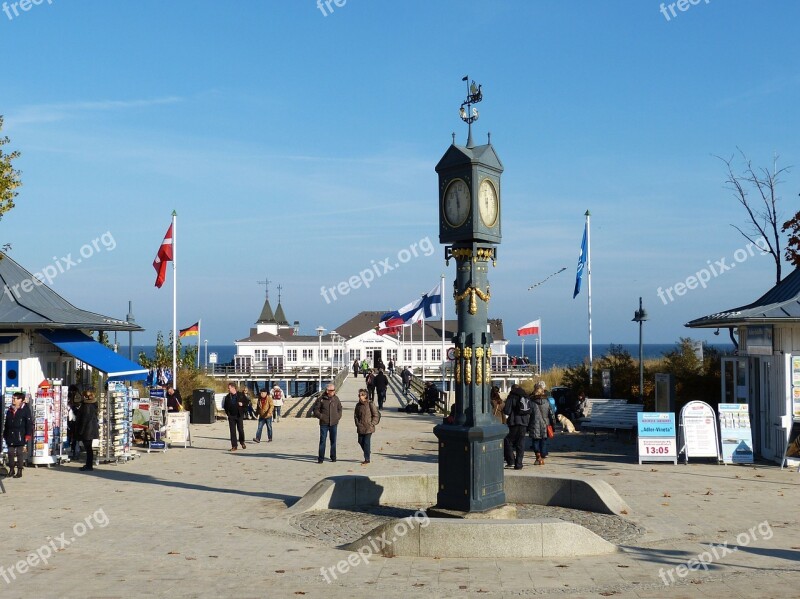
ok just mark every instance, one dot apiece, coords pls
pixel 174 299
pixel 423 344
pixel 589 289
pixel 199 329
pixel 443 356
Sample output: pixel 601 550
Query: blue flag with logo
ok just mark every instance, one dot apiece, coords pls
pixel 581 265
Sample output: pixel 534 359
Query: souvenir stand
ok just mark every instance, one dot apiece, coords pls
pixel 156 424
pixel 49 411
pixel 116 423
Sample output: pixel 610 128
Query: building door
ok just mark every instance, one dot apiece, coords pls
pixel 772 407
pixel 376 358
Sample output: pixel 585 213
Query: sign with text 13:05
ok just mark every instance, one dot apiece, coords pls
pixel 657 437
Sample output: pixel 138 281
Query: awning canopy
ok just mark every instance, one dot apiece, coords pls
pixel 97 355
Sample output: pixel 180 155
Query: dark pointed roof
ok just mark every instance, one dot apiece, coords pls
pixel 280 317
pixel 266 314
pixel 456 156
pixel 779 304
pixel 27 302
pixel 368 321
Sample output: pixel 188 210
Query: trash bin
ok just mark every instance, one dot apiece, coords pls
pixel 204 410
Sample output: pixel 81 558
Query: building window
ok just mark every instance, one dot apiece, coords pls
pixel 419 355
pixel 436 355
pixel 355 354
pixel 406 355
pixel 325 354
pixel 291 355
pixel 308 355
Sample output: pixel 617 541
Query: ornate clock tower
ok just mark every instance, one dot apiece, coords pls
pixel 471 449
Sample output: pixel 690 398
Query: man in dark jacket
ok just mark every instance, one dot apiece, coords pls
pixel 518 416
pixel 381 382
pixel 87 427
pixel 406 377
pixel 328 410
pixel 235 406
pixel 17 431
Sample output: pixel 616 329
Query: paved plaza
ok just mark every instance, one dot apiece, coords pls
pixel 203 522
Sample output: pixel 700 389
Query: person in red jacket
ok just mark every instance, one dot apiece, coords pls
pixel 17 431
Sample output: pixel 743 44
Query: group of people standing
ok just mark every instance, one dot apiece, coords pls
pixel 238 407
pixel 523 414
pixel 328 410
pixel 82 426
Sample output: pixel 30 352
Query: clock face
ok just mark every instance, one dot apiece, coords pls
pixel 456 203
pixel 487 203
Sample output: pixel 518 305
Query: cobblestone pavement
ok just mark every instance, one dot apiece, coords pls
pixel 340 527
pixel 203 522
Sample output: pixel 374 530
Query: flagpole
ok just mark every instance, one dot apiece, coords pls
pixel 174 299
pixel 443 356
pixel 423 344
pixel 199 329
pixel 540 348
pixel 412 349
pixel 589 289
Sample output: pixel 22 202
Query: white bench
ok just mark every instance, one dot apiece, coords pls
pixel 615 414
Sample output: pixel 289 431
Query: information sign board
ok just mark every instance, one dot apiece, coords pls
pixel 735 433
pixel 657 437
pixel 699 431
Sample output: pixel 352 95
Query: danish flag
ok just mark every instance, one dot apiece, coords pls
pixel 163 256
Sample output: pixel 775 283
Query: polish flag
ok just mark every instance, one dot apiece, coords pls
pixel 163 256
pixel 532 328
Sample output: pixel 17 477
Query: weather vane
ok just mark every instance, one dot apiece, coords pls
pixel 470 114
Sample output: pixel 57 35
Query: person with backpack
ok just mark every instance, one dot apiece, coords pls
pixel 277 401
pixel 367 418
pixel 542 416
pixel 518 416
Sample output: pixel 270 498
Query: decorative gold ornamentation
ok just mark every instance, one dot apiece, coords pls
pixel 468 372
pixel 478 352
pixel 467 352
pixel 458 352
pixel 471 292
pixel 478 371
pixel 458 373
pixel 489 351
pixel 461 253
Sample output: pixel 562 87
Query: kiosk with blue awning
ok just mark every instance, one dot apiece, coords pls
pixel 96 355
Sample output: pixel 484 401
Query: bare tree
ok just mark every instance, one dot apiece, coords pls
pixel 763 211
pixel 792 227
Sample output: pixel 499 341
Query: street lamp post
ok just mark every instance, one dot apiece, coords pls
pixel 640 316
pixel 205 360
pixel 334 337
pixel 320 332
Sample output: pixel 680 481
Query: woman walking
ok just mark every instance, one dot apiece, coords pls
pixel 17 431
pixel 87 427
pixel 367 417
pixel 542 416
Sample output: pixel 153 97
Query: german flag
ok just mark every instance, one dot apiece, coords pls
pixel 192 331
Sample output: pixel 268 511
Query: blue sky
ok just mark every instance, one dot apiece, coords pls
pixel 301 147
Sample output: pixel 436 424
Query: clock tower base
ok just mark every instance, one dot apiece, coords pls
pixel 470 467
